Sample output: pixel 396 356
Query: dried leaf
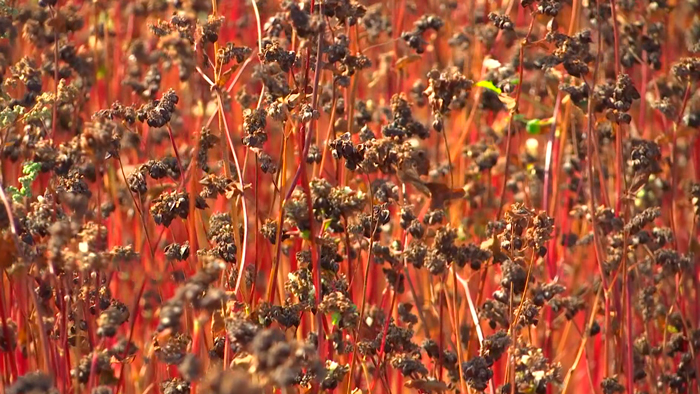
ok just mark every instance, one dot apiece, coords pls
pixel 508 101
pixel 156 190
pixel 244 362
pixel 235 190
pixel 226 76
pixel 8 250
pixel 406 60
pixel 440 194
pixel 494 246
pixel 217 322
pixel 58 22
pixel 428 386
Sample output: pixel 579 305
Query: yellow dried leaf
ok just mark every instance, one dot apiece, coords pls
pixel 566 99
pixel 235 190
pixel 245 361
pixel 156 190
pixel 427 385
pixel 217 323
pixel 494 246
pixel 292 99
pixel 508 101
pixel 406 60
pixel 58 22
pixel 8 250
pixel 226 76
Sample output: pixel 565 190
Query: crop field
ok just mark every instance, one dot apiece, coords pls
pixel 349 196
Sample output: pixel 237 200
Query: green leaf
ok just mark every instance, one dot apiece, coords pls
pixel 519 117
pixel 461 234
pixel 306 234
pixel 326 224
pixel 14 193
pixel 514 81
pixel 488 85
pixel 533 126
pixel 101 72
pixel 335 318
pixel 9 115
pixel 31 169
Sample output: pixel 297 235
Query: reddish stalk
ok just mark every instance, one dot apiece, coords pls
pixel 591 208
pixel 6 333
pixel 674 163
pixel 363 304
pixel 136 310
pixel 54 109
pixel 551 140
pixel 3 315
pixel 244 206
pixel 620 131
pixel 514 111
